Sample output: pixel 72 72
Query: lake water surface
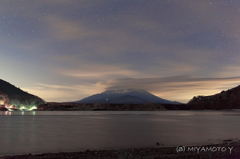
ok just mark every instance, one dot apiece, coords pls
pixel 56 131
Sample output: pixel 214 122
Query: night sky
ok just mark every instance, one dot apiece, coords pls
pixel 67 50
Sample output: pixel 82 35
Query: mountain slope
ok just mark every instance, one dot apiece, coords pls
pixel 229 99
pixel 128 99
pixel 124 96
pixel 13 96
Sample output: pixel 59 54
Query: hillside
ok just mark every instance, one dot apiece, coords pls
pixel 13 96
pixel 229 99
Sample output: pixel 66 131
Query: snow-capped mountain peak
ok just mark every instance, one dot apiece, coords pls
pixel 123 91
pixel 136 96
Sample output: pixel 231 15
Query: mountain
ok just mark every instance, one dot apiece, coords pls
pixel 128 99
pixel 134 96
pixel 13 96
pixel 229 99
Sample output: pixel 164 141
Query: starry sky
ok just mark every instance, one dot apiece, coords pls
pixel 66 50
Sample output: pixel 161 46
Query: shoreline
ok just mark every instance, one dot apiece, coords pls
pixel 227 149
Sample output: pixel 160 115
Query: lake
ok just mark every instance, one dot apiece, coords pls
pixel 57 131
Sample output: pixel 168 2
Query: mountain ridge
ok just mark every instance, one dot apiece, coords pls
pixel 229 99
pixel 11 96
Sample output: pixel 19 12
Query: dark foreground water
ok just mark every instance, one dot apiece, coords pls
pixel 55 131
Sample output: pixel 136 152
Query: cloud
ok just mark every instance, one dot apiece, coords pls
pixel 63 93
pixel 68 30
pixel 178 88
pixel 229 71
pixel 175 88
pixel 98 71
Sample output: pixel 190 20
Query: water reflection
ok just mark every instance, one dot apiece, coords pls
pixel 18 113
pixel 36 132
pixel 8 113
pixel 98 114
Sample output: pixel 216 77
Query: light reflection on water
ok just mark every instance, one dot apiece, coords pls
pixel 168 113
pixel 54 131
pixel 19 113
